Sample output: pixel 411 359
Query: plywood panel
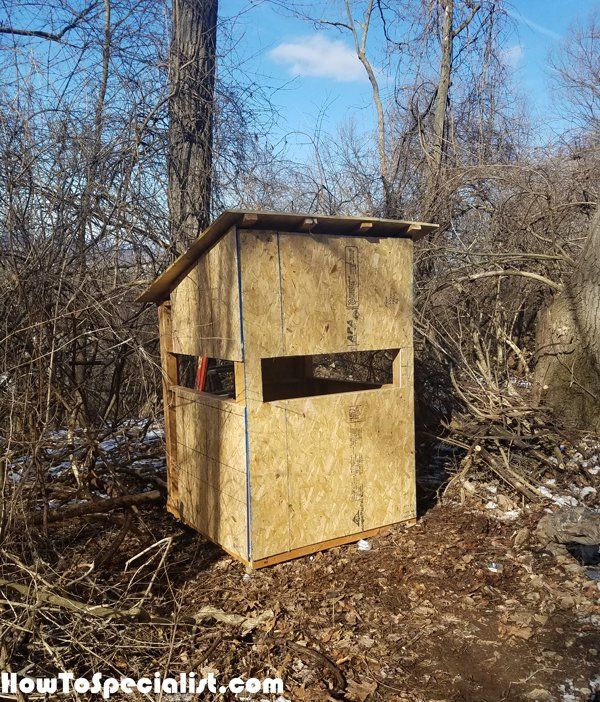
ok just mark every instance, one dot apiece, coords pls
pixel 306 294
pixel 269 479
pixel 315 474
pixel 261 308
pixel 330 466
pixel 205 305
pixel 211 459
pixel 361 299
pixel 351 463
pixel 267 462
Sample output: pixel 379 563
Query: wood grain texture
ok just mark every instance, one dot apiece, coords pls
pixel 329 466
pixel 211 459
pixel 334 465
pixel 269 478
pixel 267 465
pixel 205 304
pixel 328 294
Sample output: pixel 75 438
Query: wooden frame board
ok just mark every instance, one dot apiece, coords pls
pixel 324 545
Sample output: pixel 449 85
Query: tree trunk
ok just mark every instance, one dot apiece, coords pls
pixel 191 109
pixel 441 106
pixel 441 100
pixel 567 373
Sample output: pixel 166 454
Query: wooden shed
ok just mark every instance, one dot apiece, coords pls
pixel 288 462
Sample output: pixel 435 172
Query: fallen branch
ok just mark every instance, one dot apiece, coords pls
pixel 81 607
pixel 306 652
pixel 203 615
pixel 94 507
pixel 509 271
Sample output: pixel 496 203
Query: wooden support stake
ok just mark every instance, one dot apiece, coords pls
pixel 170 378
pixel 397 369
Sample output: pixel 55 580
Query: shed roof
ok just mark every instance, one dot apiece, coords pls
pixel 161 287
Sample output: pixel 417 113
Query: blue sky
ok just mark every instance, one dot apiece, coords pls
pixel 315 76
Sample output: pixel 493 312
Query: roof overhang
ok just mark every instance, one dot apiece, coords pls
pixel 160 289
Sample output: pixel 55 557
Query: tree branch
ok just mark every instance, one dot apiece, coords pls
pixel 509 271
pixel 467 21
pixel 49 36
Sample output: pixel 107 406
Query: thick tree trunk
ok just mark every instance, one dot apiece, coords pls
pixel 568 340
pixel 192 76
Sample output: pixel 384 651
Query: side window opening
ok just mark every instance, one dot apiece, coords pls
pixel 214 376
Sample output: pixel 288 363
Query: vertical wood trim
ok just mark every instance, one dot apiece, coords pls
pixel 244 370
pixel 170 378
pixel 240 382
pixel 397 369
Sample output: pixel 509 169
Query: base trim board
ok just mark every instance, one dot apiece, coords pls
pixel 324 545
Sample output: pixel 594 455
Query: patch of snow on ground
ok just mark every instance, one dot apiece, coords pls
pixel 567 692
pixel 560 500
pixel 60 468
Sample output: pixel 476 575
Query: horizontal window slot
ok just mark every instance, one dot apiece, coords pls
pixel 290 377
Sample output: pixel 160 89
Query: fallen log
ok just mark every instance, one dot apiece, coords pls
pixel 94 507
pixel 72 605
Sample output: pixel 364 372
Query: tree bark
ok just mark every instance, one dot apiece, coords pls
pixel 440 113
pixel 191 112
pixel 443 90
pixel 567 374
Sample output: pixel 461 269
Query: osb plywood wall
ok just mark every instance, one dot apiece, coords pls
pixel 297 471
pixel 321 294
pixel 332 465
pixel 211 467
pixel 206 306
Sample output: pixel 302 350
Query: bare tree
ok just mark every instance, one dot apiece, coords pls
pixel 576 75
pixel 450 32
pixel 568 340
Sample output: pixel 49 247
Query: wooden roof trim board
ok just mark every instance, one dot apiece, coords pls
pixel 278 221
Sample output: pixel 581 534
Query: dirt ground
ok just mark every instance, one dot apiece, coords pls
pixel 464 606
pixel 422 616
pixel 418 617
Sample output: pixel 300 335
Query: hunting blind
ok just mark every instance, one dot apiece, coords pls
pixel 291 453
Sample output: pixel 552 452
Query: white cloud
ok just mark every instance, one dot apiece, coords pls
pixel 319 57
pixel 513 55
pixel 534 25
